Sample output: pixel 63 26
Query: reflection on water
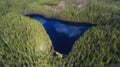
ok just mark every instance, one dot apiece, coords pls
pixel 63 35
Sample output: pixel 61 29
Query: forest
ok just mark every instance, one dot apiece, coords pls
pixel 25 43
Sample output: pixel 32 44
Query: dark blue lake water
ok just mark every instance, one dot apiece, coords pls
pixel 62 34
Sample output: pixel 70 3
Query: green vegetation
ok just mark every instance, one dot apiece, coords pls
pixel 96 48
pixel 24 42
pixel 21 43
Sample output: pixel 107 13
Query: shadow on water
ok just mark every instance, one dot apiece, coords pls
pixel 62 33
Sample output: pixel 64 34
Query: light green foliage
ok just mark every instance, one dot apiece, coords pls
pixel 23 42
pixel 51 2
pixel 94 13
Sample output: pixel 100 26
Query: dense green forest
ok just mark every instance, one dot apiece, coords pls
pixel 98 47
pixel 21 43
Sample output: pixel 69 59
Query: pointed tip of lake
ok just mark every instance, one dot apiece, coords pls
pixel 63 35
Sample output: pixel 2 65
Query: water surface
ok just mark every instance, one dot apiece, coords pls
pixel 62 34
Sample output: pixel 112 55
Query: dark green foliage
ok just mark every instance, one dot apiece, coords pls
pixel 97 47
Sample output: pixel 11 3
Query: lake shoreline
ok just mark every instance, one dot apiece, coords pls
pixel 62 34
pixel 64 21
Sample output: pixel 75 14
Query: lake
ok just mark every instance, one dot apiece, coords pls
pixel 62 34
